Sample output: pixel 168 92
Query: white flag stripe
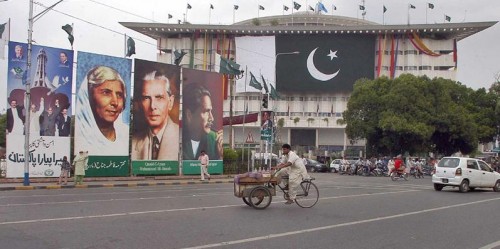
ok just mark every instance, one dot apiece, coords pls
pixel 257 55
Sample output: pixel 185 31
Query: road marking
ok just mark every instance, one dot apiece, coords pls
pixel 175 210
pixel 492 245
pixel 114 215
pixel 125 191
pixel 114 199
pixel 301 232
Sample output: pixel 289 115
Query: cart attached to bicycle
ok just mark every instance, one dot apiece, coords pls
pixel 258 192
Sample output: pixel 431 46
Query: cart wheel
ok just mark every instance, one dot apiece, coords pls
pixel 260 197
pixel 246 201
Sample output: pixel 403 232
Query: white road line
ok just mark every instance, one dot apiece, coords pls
pixel 491 246
pixel 114 199
pixel 114 215
pixel 176 210
pixel 301 232
pixel 177 189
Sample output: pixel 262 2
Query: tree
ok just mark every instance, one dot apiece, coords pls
pixel 416 115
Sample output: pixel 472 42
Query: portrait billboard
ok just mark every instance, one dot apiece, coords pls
pixel 324 63
pixel 155 132
pixel 50 77
pixel 103 113
pixel 266 124
pixel 201 120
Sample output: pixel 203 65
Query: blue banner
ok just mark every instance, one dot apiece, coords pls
pixel 50 78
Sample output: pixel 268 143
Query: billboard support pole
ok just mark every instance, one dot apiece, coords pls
pixel 27 99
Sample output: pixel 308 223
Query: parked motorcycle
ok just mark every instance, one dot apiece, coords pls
pixel 416 173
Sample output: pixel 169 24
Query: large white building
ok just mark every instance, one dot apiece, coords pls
pixel 309 118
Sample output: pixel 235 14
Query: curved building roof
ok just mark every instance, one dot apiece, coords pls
pixel 309 23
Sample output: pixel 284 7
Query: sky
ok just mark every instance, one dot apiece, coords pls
pixel 96 27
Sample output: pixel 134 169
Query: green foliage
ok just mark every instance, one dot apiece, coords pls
pixel 274 22
pixel 230 154
pixel 416 114
pixel 281 122
pixel 296 120
pixel 256 22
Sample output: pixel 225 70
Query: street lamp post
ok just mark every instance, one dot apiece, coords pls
pixel 273 107
pixel 27 101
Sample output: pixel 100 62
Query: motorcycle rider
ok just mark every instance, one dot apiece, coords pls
pixel 345 165
pixel 398 164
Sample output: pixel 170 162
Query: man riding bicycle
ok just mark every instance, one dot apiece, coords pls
pixel 296 171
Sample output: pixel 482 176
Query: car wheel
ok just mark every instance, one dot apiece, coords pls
pixel 464 186
pixel 496 188
pixel 438 187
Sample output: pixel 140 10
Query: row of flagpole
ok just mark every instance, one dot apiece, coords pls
pixel 320 7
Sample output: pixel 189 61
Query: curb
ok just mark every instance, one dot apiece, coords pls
pixel 115 185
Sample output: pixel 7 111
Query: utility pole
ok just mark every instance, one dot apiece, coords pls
pixel 27 97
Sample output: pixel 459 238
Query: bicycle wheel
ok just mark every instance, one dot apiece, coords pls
pixel 260 197
pixel 307 195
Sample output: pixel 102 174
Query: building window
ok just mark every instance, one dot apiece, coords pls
pixel 411 68
pixel 414 52
pixel 338 114
pixel 424 68
pixel 385 68
pixel 400 68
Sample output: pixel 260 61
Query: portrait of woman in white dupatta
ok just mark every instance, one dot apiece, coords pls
pixel 99 126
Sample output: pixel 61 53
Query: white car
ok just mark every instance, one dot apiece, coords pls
pixel 335 166
pixel 466 174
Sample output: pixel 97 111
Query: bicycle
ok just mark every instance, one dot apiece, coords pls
pixel 307 193
pixel 258 192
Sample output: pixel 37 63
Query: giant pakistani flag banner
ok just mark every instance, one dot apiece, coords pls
pixel 312 63
pixel 201 120
pixel 103 113
pixel 155 134
pixel 49 130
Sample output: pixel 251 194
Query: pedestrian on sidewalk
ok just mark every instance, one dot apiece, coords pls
pixel 65 167
pixel 204 160
pixel 80 163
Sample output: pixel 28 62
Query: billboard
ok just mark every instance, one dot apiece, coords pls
pixel 50 76
pixel 155 133
pixel 266 124
pixel 103 113
pixel 324 63
pixel 201 120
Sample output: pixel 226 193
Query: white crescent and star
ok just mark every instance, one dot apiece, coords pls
pixel 315 73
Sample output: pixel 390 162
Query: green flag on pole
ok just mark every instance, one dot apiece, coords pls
pixel 130 47
pixel 264 84
pixel 274 93
pixel 254 83
pixel 69 30
pixel 226 66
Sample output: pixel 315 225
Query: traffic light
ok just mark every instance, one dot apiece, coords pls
pixel 264 101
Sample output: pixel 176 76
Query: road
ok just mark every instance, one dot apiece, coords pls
pixel 353 212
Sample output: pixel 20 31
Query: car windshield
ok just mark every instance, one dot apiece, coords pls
pixel 449 162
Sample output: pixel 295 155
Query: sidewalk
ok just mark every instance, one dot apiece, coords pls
pixel 110 182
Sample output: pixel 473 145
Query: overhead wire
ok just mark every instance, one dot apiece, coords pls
pixel 93 24
pixel 129 13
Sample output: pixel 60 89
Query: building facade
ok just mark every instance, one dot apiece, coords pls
pixel 308 119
